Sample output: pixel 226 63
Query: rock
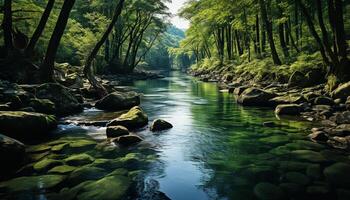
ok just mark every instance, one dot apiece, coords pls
pixel 108 188
pixel 317 190
pixel 342 92
pixel 341 118
pixel 30 183
pixel 85 173
pixel 79 160
pixel 338 143
pixel 275 139
pixel 65 102
pixel 46 164
pixel 298 178
pixel 292 189
pixel 160 125
pixel 119 101
pixel 315 76
pixel 27 109
pixel 338 174
pixel 26 126
pixel 268 191
pixel 63 169
pixel 12 154
pixel 324 101
pixel 5 107
pixel 308 155
pixel 297 79
pixel 43 106
pixel 133 119
pixel 289 99
pixel 116 131
pixel 269 124
pixel 314 171
pixel 128 140
pixel 239 90
pixel 319 136
pixel 288 109
pixel 255 97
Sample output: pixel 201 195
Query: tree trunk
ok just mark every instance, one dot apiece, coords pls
pixel 47 68
pixel 257 32
pixel 340 31
pixel 268 26
pixel 40 28
pixel 88 64
pixel 7 26
pixel 281 32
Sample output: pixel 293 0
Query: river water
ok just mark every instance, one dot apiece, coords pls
pixel 219 149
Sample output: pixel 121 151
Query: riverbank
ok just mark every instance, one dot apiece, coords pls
pixel 303 94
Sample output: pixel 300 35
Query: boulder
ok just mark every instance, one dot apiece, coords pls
pixel 255 97
pixel 342 92
pixel 133 119
pixel 43 106
pixel 128 140
pixel 25 125
pixel 297 79
pixel 268 191
pixel 338 174
pixel 297 178
pixel 116 131
pixel 288 99
pixel 12 154
pixel 46 164
pixel 319 136
pixel 288 109
pixel 119 101
pixel 160 125
pixel 65 102
pixel 239 90
pixel 338 142
pixel 341 118
pixel 324 101
pixel 79 159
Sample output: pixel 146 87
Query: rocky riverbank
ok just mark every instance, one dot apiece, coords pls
pixel 302 95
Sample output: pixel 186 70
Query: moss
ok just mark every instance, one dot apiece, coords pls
pixel 46 164
pixel 79 160
pixel 64 169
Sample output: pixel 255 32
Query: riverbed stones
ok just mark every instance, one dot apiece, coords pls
pixel 342 92
pixel 319 136
pixel 12 154
pixel 79 159
pixel 160 125
pixel 322 100
pixel 338 174
pixel 116 131
pixel 135 118
pixel 288 109
pixel 85 173
pixel 308 155
pixel 119 101
pixel 63 169
pixel 43 106
pixel 268 191
pixel 25 125
pixel 255 97
pixel 65 102
pixel 46 164
pixel 297 79
pixel 128 140
pixel 108 188
pixel 297 178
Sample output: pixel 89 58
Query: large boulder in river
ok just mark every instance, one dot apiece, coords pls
pixel 128 140
pixel 338 174
pixel 297 79
pixel 12 154
pixel 255 97
pixel 160 125
pixel 119 101
pixel 342 92
pixel 66 103
pixel 25 125
pixel 133 119
pixel 116 131
pixel 288 109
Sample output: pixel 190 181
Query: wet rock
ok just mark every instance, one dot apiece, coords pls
pixel 338 174
pixel 133 119
pixel 314 171
pixel 269 124
pixel 30 183
pixel 25 125
pixel 108 188
pixel 65 102
pixel 43 106
pixel 288 109
pixel 46 164
pixel 119 101
pixel 255 97
pixel 324 101
pixel 308 155
pixel 297 79
pixel 79 160
pixel 12 154
pixel 128 140
pixel 319 136
pixel 341 118
pixel 160 125
pixel 63 169
pixel 116 131
pixel 85 173
pixel 297 178
pixel 268 191
pixel 288 99
pixel 339 142
pixel 275 139
pixel 342 92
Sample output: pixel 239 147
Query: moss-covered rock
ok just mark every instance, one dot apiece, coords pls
pixel 133 119
pixel 12 154
pixel 65 102
pixel 338 174
pixel 116 131
pixel 342 92
pixel 43 106
pixel 63 169
pixel 297 178
pixel 85 173
pixel 288 109
pixel 119 101
pixel 26 126
pixel 160 125
pixel 255 97
pixel 128 140
pixel 308 155
pixel 79 159
pixel 109 188
pixel 46 164
pixel 268 191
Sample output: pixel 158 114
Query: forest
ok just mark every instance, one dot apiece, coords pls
pixel 175 99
